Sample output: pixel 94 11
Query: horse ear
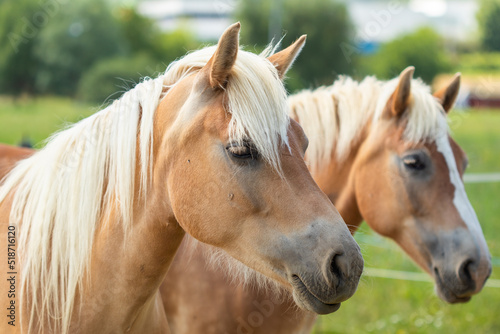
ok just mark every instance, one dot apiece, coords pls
pixel 284 59
pixel 224 57
pixel 447 95
pixel 401 96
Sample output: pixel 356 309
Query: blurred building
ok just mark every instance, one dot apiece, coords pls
pixel 376 20
pixel 476 91
pixel 381 21
pixel 206 18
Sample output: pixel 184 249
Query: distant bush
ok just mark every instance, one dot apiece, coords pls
pixel 144 36
pixel 175 44
pixel 48 49
pixel 110 78
pixel 488 18
pixel 423 49
pixel 81 35
pixel 18 36
pixel 479 63
pixel 326 22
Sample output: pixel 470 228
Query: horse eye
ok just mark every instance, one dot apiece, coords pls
pixel 242 151
pixel 413 162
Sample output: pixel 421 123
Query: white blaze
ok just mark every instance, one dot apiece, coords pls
pixel 460 199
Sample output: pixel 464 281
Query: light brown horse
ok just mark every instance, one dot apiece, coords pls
pixel 96 216
pixel 10 155
pixel 382 153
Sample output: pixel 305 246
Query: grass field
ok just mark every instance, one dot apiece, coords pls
pixel 36 119
pixel 380 305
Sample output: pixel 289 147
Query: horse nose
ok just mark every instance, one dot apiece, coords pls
pixel 465 270
pixel 338 269
pixel 471 275
pixel 341 270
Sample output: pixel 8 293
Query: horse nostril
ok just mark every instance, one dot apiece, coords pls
pixel 339 267
pixel 464 272
pixel 334 268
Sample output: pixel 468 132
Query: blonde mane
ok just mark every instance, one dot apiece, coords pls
pixel 64 191
pixel 333 117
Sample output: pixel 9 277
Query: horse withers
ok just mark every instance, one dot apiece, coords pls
pixel 10 155
pixel 207 149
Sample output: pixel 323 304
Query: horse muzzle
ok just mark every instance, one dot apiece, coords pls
pixel 322 291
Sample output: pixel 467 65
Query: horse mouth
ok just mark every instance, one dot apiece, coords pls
pixel 447 294
pixel 308 300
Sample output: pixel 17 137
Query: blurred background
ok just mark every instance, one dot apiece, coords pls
pixel 62 60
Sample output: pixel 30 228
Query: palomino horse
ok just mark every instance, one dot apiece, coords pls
pixel 96 217
pixel 9 155
pixel 381 152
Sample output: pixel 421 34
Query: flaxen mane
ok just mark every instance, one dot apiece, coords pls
pixel 333 117
pixel 62 193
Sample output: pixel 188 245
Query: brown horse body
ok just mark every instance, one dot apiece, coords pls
pixel 10 155
pixel 100 211
pixel 401 187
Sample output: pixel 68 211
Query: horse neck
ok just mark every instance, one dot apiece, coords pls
pixel 337 182
pixel 337 177
pixel 127 268
pixel 129 283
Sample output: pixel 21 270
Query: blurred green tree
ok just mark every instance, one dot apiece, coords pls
pixel 173 45
pixel 87 33
pixel 479 63
pixel 148 52
pixel 422 49
pixel 84 32
pixel 144 36
pixel 488 17
pixel 19 28
pixel 139 31
pixel 48 47
pixel 109 78
pixel 326 23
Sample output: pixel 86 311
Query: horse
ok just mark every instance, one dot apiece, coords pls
pixel 9 155
pixel 382 153
pixel 93 220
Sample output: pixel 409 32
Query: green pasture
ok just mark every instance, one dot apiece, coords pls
pixel 37 118
pixel 380 305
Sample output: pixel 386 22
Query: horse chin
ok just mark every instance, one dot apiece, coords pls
pixel 450 297
pixel 448 294
pixel 306 300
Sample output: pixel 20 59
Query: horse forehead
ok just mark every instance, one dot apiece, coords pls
pixel 461 203
pixel 446 154
pixel 175 98
pixel 192 105
pixel 216 119
pixel 440 162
